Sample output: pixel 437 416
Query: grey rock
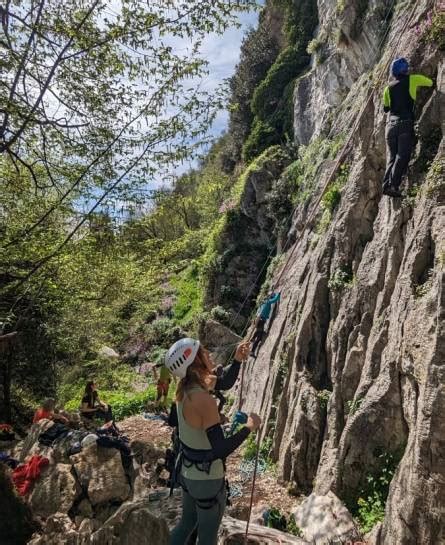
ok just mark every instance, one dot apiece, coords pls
pixel 324 520
pixel 101 474
pixel 55 491
pixel 132 524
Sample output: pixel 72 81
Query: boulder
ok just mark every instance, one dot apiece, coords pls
pixel 101 474
pixel 132 524
pixel 59 530
pixel 55 491
pixel 324 519
pixel 30 445
pixel 232 532
pixel 108 352
pixel 216 337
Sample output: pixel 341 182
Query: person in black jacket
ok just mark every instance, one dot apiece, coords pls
pixel 399 99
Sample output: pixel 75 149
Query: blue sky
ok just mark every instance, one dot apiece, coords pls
pixel 222 53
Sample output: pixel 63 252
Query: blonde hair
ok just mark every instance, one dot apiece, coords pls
pixel 197 375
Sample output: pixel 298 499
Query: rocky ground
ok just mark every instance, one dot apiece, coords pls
pixel 94 497
pixel 268 493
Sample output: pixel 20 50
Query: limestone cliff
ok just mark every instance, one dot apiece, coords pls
pixel 351 372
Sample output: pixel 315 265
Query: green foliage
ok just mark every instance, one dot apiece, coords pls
pixel 354 405
pixel 341 6
pixel 341 279
pixel 189 295
pixel 370 507
pixel 221 315
pixel 109 375
pixel 272 99
pixel 259 50
pixel 313 46
pixel 278 520
pixel 323 398
pixel 260 138
pixel 250 449
pixel 301 176
pixel 268 94
pixel 332 196
pixel 424 287
pixel 435 177
pixel 293 528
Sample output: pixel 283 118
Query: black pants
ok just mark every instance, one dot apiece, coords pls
pixel 258 335
pixel 106 416
pixel 399 141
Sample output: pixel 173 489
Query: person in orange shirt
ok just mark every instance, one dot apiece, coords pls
pixel 47 411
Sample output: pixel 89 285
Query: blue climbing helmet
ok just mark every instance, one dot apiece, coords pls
pixel 399 67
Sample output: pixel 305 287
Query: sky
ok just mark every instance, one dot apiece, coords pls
pixel 222 53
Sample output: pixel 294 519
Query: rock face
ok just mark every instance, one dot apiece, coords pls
pixel 350 378
pixel 246 239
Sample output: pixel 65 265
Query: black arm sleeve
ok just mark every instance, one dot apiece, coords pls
pixel 228 376
pixel 223 446
pixel 173 416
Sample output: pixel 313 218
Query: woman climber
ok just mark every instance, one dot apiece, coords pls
pixel 203 445
pixel 262 317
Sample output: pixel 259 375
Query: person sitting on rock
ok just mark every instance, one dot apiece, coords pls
pixel 399 99
pixel 47 410
pixel 92 406
pixel 262 317
pixel 203 445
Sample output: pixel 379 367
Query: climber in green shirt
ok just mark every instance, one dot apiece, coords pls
pixel 398 101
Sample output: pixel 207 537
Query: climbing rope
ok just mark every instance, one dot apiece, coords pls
pixel 255 472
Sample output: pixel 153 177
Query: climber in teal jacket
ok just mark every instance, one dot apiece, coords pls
pixel 399 99
pixel 262 317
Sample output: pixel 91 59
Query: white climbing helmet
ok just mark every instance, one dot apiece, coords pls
pixel 180 356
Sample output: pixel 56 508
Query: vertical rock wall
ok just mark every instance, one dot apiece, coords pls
pixel 353 364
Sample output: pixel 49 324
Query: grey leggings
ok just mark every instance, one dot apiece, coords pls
pixel 205 515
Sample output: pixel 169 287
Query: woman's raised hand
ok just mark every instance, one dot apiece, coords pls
pixel 253 422
pixel 242 351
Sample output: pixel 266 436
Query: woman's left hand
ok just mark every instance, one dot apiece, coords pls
pixel 242 351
